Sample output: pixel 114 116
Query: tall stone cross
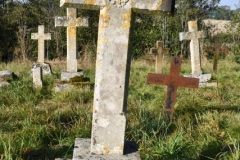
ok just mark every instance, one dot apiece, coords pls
pixel 173 81
pixel 41 36
pixel 159 52
pixel 71 22
pixel 194 35
pixel 113 67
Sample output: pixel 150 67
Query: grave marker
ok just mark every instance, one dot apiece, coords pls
pixel 194 35
pixel 71 22
pixel 216 55
pixel 113 56
pixel 41 37
pixel 37 75
pixel 159 52
pixel 173 81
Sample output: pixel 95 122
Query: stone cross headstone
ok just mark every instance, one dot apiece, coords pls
pixel 159 52
pixel 112 69
pixel 71 22
pixel 194 35
pixel 41 37
pixel 173 81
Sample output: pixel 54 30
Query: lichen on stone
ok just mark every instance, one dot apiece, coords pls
pixel 119 3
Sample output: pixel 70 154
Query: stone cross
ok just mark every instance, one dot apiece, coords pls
pixel 71 22
pixel 113 68
pixel 173 81
pixel 159 52
pixel 41 36
pixel 194 35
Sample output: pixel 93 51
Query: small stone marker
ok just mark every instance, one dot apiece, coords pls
pixel 71 22
pixel 159 52
pixel 41 36
pixel 37 75
pixel 173 81
pixel 113 56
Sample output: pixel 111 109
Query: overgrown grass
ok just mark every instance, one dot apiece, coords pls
pixel 38 124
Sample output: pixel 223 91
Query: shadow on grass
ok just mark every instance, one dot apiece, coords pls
pixel 45 153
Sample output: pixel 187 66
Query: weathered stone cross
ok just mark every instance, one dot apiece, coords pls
pixel 159 52
pixel 71 22
pixel 41 36
pixel 194 35
pixel 173 81
pixel 113 67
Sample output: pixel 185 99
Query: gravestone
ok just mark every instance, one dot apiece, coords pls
pixel 159 53
pixel 194 35
pixel 37 75
pixel 71 22
pixel 41 37
pixel 173 81
pixel 112 75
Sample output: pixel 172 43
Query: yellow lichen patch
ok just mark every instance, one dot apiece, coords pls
pixel 106 150
pixel 159 4
pixel 127 19
pixel 98 63
pixel 89 1
pixel 104 19
pixel 121 147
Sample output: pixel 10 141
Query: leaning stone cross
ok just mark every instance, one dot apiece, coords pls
pixel 173 81
pixel 113 56
pixel 71 22
pixel 159 52
pixel 41 36
pixel 194 35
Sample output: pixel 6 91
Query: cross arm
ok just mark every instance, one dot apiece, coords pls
pixel 190 35
pixel 34 35
pixel 84 4
pixel 153 6
pixel 188 82
pixel 64 21
pixel 142 6
pixel 157 79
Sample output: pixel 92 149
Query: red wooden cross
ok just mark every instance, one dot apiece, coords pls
pixel 173 81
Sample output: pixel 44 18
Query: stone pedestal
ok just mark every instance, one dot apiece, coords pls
pixel 204 80
pixel 82 152
pixel 5 76
pixel 46 68
pixel 68 76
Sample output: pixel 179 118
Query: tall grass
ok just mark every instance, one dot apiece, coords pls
pixel 42 124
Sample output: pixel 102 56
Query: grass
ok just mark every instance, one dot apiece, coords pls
pixel 39 124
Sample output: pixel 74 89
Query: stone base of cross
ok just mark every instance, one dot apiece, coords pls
pixel 5 76
pixel 66 76
pixel 204 80
pixel 82 151
pixel 46 68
